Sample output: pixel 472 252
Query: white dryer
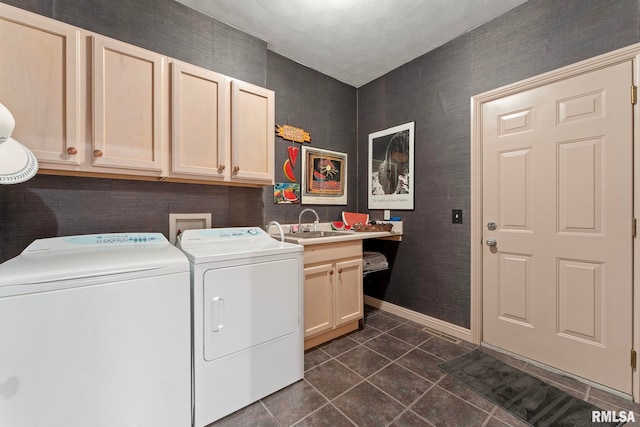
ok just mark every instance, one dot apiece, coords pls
pixel 95 331
pixel 247 317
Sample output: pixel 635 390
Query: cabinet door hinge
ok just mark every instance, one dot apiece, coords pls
pixel 633 359
pixel 634 94
pixel 633 228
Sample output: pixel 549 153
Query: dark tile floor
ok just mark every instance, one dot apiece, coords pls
pixel 386 375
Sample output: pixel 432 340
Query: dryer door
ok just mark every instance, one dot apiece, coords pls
pixel 247 305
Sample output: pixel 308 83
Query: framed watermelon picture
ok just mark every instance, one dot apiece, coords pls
pixel 324 177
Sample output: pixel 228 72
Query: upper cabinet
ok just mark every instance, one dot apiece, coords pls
pixel 90 105
pixel 252 132
pixel 41 78
pixel 222 129
pixel 199 114
pixel 129 105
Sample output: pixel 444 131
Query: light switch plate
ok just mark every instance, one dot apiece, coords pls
pixel 187 221
pixel 456 216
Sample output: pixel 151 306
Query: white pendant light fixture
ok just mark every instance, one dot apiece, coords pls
pixel 17 162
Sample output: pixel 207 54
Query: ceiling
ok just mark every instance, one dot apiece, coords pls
pixel 354 41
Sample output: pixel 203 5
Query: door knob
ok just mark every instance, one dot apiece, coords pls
pixel 492 225
pixel 491 242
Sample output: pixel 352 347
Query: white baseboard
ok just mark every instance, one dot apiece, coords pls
pixel 430 322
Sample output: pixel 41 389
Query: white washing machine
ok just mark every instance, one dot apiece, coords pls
pixel 95 331
pixel 247 317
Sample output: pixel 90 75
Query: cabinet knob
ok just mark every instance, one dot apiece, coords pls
pixel 331 272
pixel 71 151
pixel 340 271
pixel 221 166
pixel 236 169
pixel 97 153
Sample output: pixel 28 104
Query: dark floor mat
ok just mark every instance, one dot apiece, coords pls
pixel 523 395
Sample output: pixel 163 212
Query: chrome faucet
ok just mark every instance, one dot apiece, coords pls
pixel 315 223
pixel 277 224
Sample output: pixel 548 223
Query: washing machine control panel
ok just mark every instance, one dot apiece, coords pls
pixel 116 239
pixel 95 240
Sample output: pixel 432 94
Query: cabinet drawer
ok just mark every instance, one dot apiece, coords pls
pixel 328 252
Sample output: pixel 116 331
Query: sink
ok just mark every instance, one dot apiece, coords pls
pixel 314 234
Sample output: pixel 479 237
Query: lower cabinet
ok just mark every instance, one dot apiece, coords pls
pixel 333 301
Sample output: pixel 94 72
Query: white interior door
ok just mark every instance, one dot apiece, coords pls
pixel 557 183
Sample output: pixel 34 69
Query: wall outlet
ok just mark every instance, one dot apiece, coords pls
pixel 456 216
pixel 191 221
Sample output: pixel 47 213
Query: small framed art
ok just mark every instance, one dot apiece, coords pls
pixel 324 177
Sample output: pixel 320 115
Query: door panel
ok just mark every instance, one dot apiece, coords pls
pixel 515 189
pixel 349 298
pixel 198 121
pixel 515 288
pixel 580 299
pixel 580 186
pixel 41 60
pixel 318 299
pixel 248 305
pixel 557 181
pixel 252 134
pixel 128 106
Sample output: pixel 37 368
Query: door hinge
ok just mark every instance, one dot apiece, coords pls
pixel 633 359
pixel 634 228
pixel 634 94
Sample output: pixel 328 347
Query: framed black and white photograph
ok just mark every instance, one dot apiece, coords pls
pixel 391 163
pixel 324 177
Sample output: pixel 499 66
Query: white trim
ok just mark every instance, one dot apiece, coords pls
pixel 630 53
pixel 431 322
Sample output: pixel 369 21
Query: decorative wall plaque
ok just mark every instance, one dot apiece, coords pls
pixel 292 133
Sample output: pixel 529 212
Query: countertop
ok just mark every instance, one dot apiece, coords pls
pixel 394 234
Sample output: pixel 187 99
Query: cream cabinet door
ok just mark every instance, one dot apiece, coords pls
pixel 129 105
pixel 349 298
pixel 252 133
pixel 199 116
pixel 40 77
pixel 318 299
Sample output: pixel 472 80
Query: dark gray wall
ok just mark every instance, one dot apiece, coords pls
pixel 50 206
pixel 431 269
pixel 324 107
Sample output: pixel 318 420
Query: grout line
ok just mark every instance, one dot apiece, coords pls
pixel 486 420
pixel 270 413
pixel 412 344
pixel 406 409
pixel 343 414
pixel 465 400
pixel 365 379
